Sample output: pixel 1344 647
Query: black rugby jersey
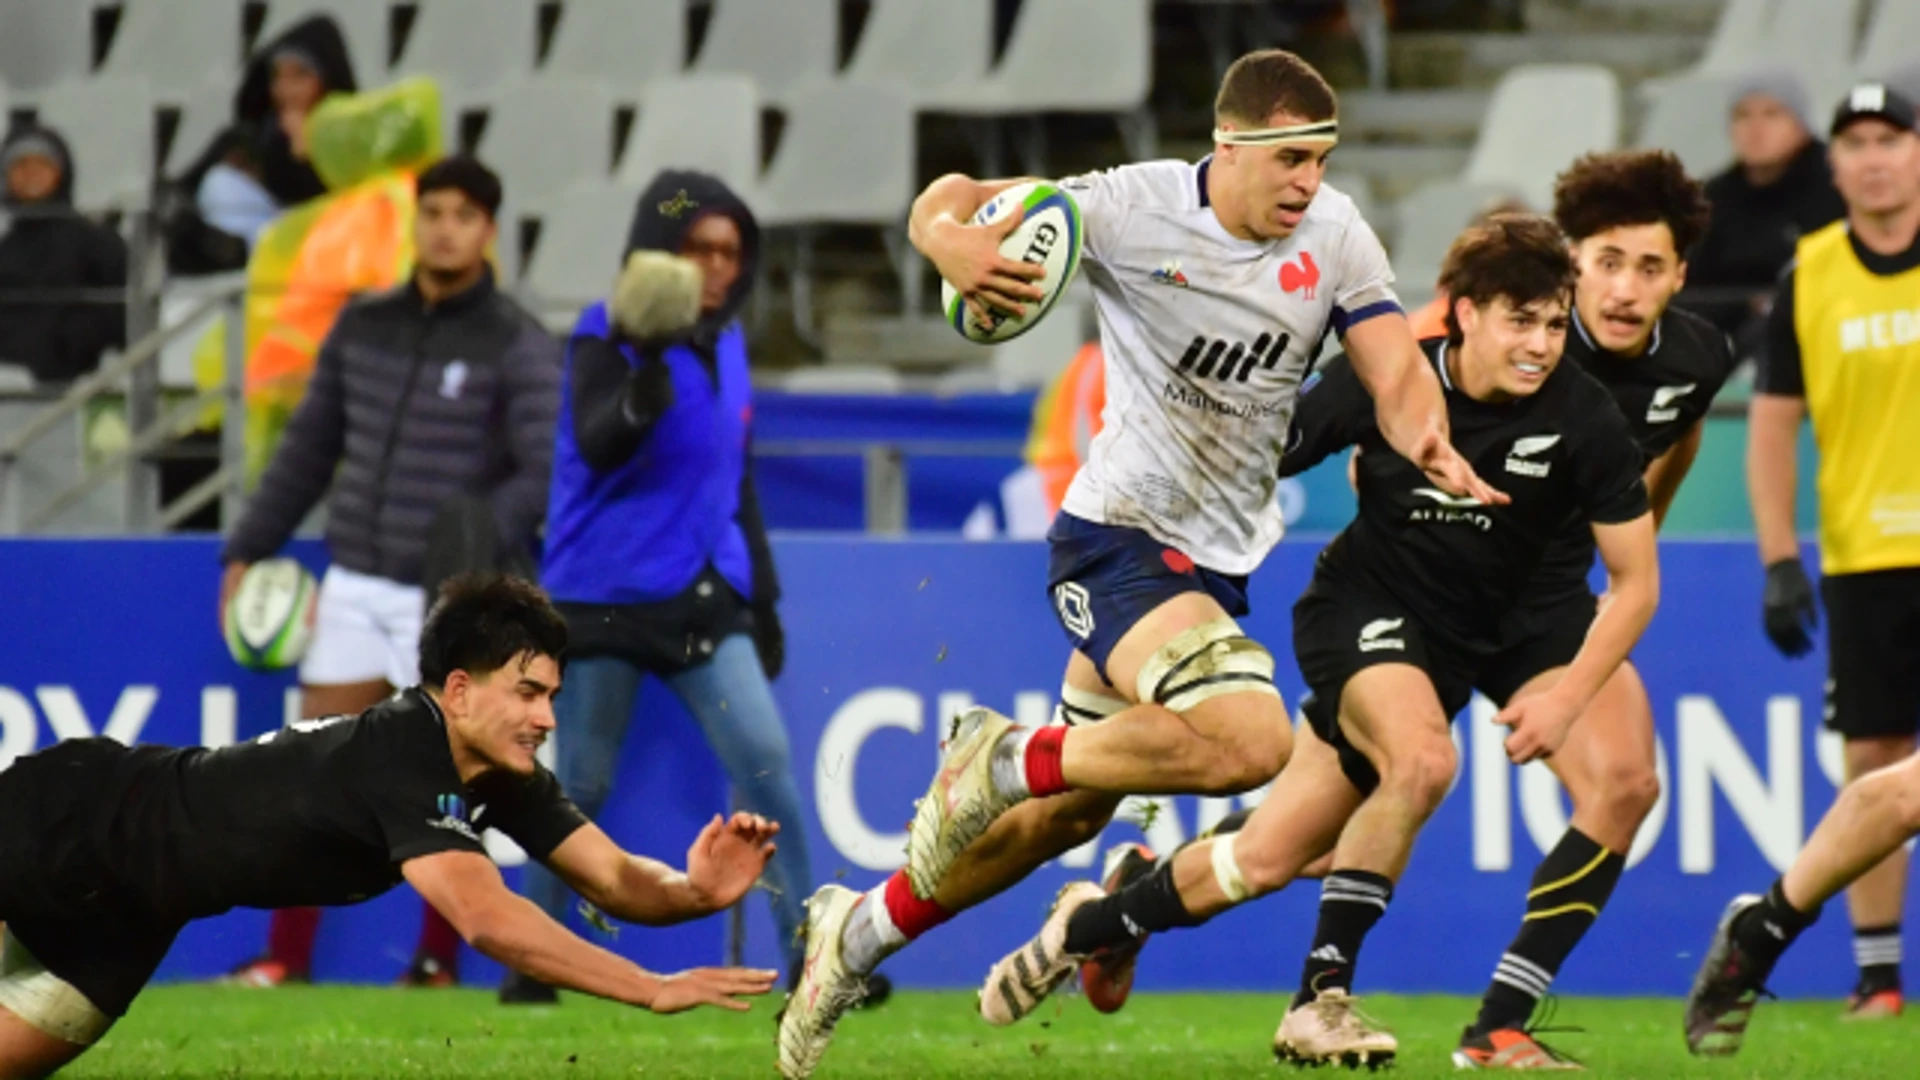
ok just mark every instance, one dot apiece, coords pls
pixel 1563 452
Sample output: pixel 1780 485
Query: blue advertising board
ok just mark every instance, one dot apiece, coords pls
pixel 885 637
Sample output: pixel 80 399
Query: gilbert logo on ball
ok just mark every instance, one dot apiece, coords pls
pixel 269 620
pixel 1049 235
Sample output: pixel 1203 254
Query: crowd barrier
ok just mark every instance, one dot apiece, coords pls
pixel 886 637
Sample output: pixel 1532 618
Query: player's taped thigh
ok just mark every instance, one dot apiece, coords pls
pixel 1204 662
pixel 1079 706
pixel 43 1000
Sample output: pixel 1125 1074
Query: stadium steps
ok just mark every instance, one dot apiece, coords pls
pixel 1479 60
pixel 1642 16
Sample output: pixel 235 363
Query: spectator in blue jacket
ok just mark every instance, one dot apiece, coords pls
pixel 654 548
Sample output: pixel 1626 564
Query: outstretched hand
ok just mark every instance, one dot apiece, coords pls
pixel 1451 473
pixel 722 987
pixel 728 857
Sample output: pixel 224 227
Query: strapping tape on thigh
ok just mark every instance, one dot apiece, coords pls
pixel 1206 661
pixel 1226 869
pixel 44 1000
pixel 1079 706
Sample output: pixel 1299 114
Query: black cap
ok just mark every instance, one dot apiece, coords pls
pixel 1873 101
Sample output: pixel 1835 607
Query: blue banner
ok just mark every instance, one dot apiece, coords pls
pixel 884 638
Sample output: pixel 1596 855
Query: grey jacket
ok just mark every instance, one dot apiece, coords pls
pixel 414 405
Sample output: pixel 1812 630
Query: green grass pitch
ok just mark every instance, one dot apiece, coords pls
pixel 195 1031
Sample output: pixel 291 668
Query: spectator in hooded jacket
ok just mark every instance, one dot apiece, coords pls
pixel 654 547
pixel 259 167
pixel 47 247
pixel 1778 189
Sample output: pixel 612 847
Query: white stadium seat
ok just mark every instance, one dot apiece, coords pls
pixel 1542 116
pixel 1689 117
pixel 1892 40
pixel 582 235
pixel 782 45
pixel 108 125
pixel 626 43
pixel 1739 37
pixel 1072 56
pixel 847 156
pixel 936 52
pixel 472 46
pixel 178 46
pixel 1429 220
pixel 705 122
pixel 44 43
pixel 203 115
pixel 545 134
pixel 1815 38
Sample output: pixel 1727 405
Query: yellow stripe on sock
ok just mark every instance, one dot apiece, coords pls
pixel 1573 877
pixel 1563 909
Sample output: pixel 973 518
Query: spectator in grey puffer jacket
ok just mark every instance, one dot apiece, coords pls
pixel 430 414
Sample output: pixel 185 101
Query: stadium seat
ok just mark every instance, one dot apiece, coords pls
pixel 203 115
pixel 1429 220
pixel 44 44
pixel 583 232
pixel 545 134
pixel 1072 56
pixel 108 125
pixel 1739 37
pixel 364 23
pixel 936 52
pixel 1892 41
pixel 705 122
pixel 782 45
pixel 1815 39
pixel 1689 117
pixel 1541 117
pixel 626 43
pixel 177 46
pixel 472 46
pixel 847 157
pixel 1357 187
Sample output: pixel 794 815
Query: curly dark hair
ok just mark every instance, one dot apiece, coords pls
pixel 1631 187
pixel 1522 257
pixel 483 621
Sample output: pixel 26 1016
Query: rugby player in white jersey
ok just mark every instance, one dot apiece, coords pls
pixel 1215 284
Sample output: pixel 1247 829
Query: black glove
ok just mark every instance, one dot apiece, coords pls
pixel 769 640
pixel 649 390
pixel 1790 611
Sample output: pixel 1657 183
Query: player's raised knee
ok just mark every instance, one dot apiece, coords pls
pixel 1221 681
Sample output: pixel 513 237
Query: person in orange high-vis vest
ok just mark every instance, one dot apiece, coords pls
pixel 1065 419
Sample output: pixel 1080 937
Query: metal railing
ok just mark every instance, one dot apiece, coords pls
pixel 152 422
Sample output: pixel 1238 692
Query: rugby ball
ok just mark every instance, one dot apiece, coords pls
pixel 1049 235
pixel 269 620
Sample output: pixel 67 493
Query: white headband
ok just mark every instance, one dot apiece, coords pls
pixel 1320 131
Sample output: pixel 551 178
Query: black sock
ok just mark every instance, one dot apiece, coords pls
pixel 1766 929
pixel 1568 890
pixel 1148 906
pixel 1351 901
pixel 1877 950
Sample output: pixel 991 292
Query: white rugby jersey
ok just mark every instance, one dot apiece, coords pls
pixel 1207 337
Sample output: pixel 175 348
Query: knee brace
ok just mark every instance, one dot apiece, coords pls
pixel 1206 661
pixel 1079 706
pixel 45 1000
